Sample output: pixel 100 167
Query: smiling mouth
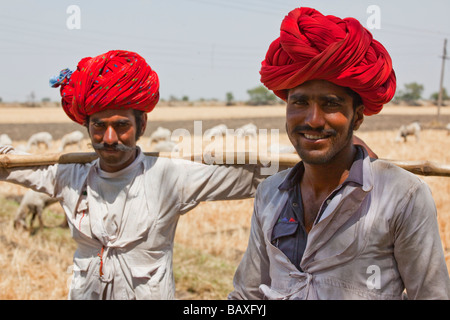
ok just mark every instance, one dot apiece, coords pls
pixel 315 137
pixel 314 134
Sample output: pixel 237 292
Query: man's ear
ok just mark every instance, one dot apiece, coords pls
pixel 358 118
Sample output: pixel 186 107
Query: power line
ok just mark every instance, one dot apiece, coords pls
pixel 415 30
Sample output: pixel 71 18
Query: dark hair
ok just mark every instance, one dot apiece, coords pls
pixel 357 101
pixel 138 114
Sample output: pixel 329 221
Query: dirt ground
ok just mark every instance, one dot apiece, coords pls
pixel 21 123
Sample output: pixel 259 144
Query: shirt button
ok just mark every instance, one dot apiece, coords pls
pixel 328 201
pixel 294 204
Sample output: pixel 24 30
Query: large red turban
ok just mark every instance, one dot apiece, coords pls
pixel 114 80
pixel 313 46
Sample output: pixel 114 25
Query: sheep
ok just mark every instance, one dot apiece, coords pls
pixel 32 202
pixel 40 138
pixel 219 130
pixel 5 140
pixel 248 129
pixel 74 137
pixel 410 129
pixel 160 134
pixel 447 127
pixel 166 146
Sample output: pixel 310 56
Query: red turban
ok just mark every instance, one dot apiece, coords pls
pixel 114 80
pixel 313 46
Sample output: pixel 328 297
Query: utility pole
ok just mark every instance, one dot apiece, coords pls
pixel 441 87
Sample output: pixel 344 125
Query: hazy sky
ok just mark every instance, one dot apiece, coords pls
pixel 200 48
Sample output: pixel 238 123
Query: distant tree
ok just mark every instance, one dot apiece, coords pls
pixel 173 98
pixel 45 99
pixel 413 92
pixel 435 96
pixel 229 98
pixel 260 95
pixel 185 98
pixel 31 100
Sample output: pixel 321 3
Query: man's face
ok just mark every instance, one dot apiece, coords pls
pixel 320 121
pixel 113 136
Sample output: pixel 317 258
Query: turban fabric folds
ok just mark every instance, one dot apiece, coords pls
pixel 313 46
pixel 114 80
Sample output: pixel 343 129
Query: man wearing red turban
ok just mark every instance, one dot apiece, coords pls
pixel 339 224
pixel 123 208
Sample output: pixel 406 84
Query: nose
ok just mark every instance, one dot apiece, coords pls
pixel 315 117
pixel 110 136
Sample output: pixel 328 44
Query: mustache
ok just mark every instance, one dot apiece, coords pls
pixel 321 130
pixel 114 147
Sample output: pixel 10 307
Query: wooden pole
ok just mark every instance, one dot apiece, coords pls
pixel 441 85
pixel 426 168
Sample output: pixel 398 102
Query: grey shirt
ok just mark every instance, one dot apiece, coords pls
pixel 289 233
pixel 372 241
pixel 125 244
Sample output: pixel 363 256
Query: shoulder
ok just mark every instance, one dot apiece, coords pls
pixel 270 185
pixel 388 172
pixel 172 163
pixel 398 183
pixel 277 178
pixel 73 172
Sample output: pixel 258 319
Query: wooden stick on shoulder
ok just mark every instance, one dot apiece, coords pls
pixel 426 168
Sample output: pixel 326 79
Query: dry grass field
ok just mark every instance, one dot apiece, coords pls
pixel 211 239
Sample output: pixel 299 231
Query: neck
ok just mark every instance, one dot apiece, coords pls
pixel 324 178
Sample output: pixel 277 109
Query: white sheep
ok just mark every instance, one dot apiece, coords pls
pixel 160 134
pixel 40 138
pixel 219 130
pixel 248 129
pixel 74 137
pixel 32 202
pixel 409 130
pixel 165 146
pixel 5 140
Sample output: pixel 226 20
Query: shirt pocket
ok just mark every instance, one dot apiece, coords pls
pixel 85 284
pixel 284 237
pixel 284 229
pixel 81 221
pixel 146 281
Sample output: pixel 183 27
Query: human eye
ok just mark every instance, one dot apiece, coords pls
pixel 123 125
pixel 301 102
pixel 298 102
pixel 98 124
pixel 333 103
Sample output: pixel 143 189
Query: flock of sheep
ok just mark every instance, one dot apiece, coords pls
pixel 46 139
pixel 33 203
pixel 160 139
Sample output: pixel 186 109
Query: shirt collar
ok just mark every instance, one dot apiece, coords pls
pixel 124 171
pixel 355 174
